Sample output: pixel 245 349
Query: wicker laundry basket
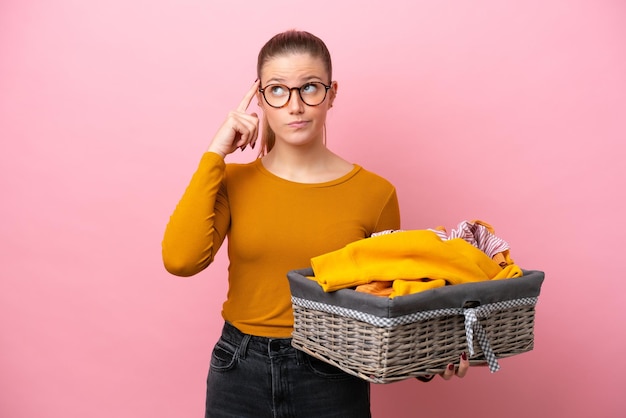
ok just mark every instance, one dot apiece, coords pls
pixel 384 340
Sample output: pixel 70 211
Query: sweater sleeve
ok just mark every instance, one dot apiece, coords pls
pixel 390 215
pixel 198 225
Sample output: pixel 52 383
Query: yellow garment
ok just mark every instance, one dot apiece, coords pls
pixel 273 226
pixel 406 255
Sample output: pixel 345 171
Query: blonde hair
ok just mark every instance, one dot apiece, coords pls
pixel 289 42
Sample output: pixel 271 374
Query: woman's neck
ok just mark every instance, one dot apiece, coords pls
pixel 313 163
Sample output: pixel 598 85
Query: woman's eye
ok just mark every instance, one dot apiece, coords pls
pixel 309 88
pixel 278 90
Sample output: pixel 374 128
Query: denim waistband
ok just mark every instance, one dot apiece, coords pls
pixel 264 345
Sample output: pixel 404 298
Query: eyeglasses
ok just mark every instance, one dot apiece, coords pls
pixel 278 95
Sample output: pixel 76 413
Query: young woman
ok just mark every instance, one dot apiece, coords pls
pixel 296 201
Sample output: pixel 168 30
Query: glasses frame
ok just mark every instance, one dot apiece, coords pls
pixel 290 89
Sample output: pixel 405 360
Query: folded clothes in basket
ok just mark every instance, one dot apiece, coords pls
pixel 404 256
pixel 385 340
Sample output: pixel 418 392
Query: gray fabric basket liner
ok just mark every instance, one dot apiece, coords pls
pixel 452 296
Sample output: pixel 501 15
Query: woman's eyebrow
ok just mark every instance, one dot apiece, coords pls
pixel 275 80
pixel 312 77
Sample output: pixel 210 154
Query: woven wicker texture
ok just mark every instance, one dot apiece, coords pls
pixel 388 354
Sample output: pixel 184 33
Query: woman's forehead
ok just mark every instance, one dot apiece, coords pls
pixel 293 67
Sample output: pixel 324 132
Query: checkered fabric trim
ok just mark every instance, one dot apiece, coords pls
pixel 472 323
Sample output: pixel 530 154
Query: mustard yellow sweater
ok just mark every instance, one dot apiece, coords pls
pixel 405 258
pixel 273 226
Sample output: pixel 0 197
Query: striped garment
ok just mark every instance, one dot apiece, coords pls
pixel 478 233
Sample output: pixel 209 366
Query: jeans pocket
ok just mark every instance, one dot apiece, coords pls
pixel 224 356
pixel 325 370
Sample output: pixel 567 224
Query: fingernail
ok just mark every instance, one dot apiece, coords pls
pixel 252 145
pixel 244 147
pixel 450 366
pixel 463 355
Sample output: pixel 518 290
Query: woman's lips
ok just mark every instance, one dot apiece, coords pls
pixel 298 124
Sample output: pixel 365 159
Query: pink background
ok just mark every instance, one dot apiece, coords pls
pixel 513 112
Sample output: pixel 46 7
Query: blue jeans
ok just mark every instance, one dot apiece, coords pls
pixel 261 377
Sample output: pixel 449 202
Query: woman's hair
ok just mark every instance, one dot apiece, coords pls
pixel 285 43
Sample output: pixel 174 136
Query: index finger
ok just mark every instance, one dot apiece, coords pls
pixel 248 97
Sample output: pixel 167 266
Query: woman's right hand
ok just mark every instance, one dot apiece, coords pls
pixel 240 128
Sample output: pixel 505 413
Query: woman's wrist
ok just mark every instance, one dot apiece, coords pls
pixel 214 151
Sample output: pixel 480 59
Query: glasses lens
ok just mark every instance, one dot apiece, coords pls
pixel 313 93
pixel 276 94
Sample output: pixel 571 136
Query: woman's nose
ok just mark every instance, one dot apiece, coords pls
pixel 295 103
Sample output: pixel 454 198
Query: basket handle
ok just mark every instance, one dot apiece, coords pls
pixel 471 304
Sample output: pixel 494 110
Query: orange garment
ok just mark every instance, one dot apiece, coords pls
pixel 407 255
pixel 273 226
pixel 399 287
pixel 376 288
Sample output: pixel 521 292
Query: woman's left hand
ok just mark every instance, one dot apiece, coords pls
pixel 452 371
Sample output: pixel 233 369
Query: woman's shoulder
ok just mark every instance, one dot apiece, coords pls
pixel 239 169
pixel 239 166
pixel 212 160
pixel 373 178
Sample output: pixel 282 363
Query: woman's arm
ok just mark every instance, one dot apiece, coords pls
pixel 199 223
pixel 201 219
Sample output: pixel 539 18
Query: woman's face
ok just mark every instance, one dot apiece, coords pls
pixel 296 123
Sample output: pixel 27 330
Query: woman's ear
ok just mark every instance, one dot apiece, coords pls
pixel 332 93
